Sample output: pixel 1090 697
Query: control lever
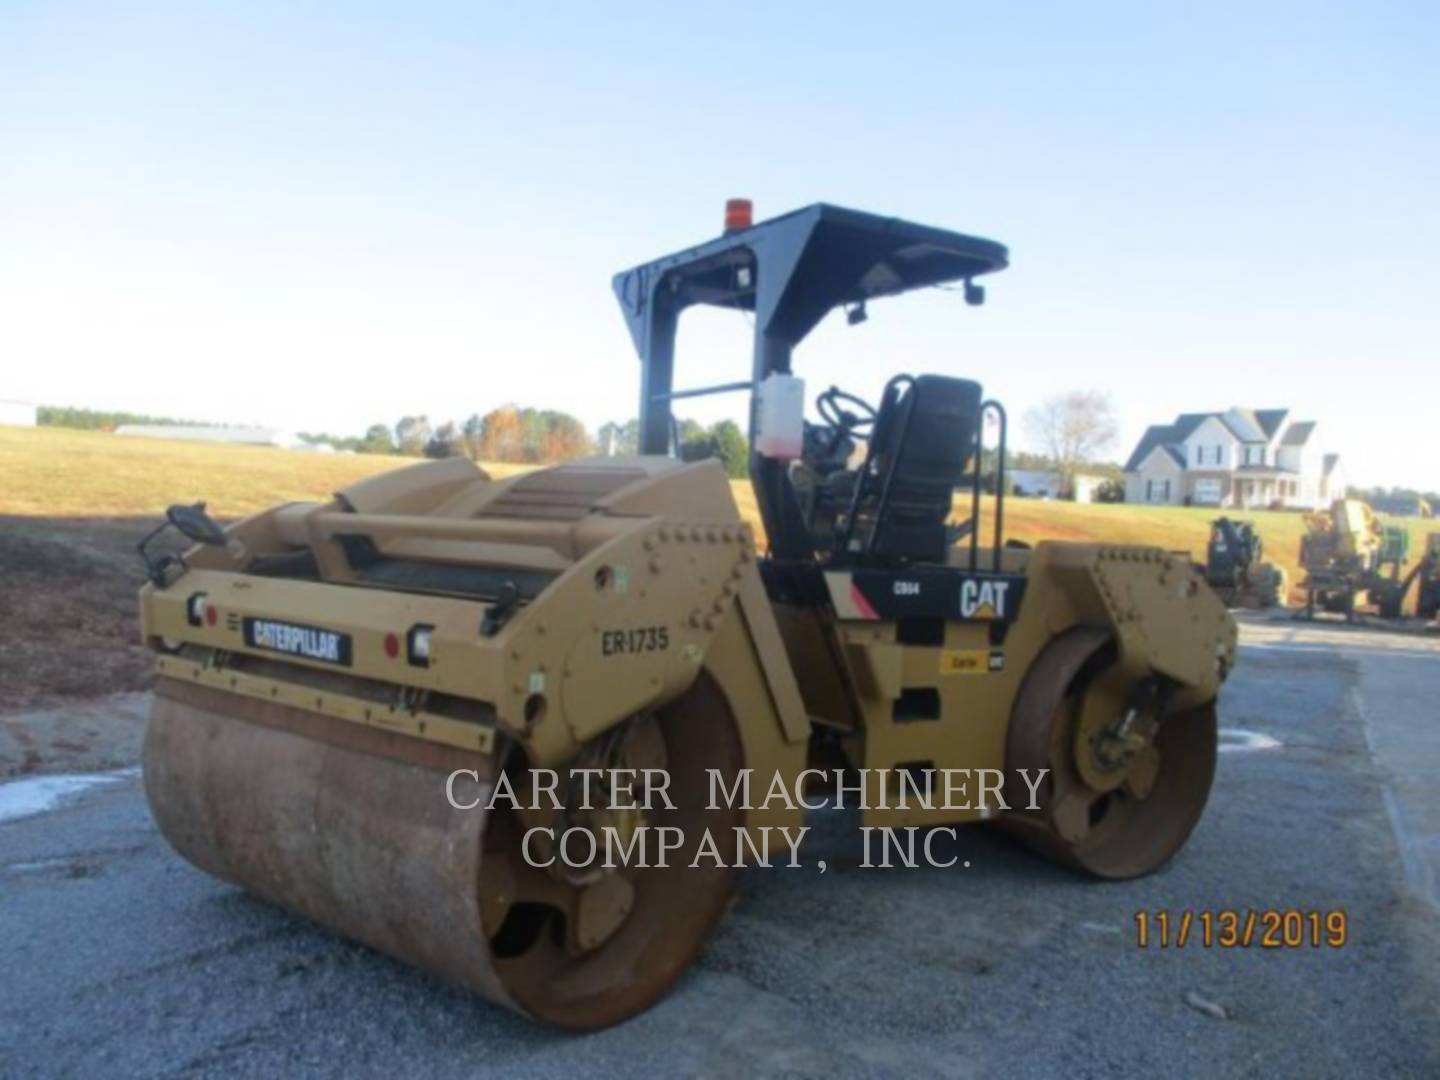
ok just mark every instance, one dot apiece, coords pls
pixel 498 613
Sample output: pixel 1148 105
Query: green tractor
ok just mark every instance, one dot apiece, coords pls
pixel 1390 589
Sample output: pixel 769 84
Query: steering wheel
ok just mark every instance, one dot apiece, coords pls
pixel 831 405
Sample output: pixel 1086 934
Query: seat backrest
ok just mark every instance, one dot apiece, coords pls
pixel 925 437
pixel 929 429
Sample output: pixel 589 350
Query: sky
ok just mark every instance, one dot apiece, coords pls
pixel 323 216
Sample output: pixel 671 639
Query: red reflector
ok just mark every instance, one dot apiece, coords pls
pixel 392 646
pixel 739 214
pixel 211 615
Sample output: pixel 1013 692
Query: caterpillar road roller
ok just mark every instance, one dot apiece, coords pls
pixel 344 687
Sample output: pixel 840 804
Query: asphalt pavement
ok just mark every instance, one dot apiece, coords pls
pixel 117 958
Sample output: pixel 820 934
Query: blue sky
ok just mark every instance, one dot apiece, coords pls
pixel 321 216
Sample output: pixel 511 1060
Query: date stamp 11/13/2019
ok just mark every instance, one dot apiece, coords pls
pixel 1242 928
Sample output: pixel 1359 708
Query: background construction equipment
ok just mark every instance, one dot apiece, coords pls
pixel 1236 569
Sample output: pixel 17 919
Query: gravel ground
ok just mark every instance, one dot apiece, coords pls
pixel 118 956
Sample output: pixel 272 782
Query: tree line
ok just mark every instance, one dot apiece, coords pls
pixel 538 436
pixel 1073 428
pixel 1377 495
pixel 95 420
pixel 507 434
pixel 723 440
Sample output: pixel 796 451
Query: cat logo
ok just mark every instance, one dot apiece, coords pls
pixel 983 599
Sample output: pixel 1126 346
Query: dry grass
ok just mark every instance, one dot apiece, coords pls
pixel 59 473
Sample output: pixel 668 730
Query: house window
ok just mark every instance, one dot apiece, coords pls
pixel 1218 451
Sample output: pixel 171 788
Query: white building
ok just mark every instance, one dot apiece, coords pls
pixel 239 436
pixel 1249 458
pixel 1040 484
pixel 17 413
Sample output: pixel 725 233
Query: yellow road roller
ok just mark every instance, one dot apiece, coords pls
pixel 427 713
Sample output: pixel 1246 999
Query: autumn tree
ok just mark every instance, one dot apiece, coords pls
pixel 564 437
pixel 502 435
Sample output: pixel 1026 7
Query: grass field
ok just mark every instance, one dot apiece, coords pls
pixel 55 473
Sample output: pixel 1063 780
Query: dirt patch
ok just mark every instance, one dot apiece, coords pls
pixel 68 590
pixel 96 735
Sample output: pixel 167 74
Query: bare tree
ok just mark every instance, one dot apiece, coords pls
pixel 1073 429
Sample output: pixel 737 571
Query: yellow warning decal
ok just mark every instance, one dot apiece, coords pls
pixel 964 661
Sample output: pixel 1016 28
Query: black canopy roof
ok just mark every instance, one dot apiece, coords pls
pixel 793 269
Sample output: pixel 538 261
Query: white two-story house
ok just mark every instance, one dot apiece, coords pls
pixel 1252 458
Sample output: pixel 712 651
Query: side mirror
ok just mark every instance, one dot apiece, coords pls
pixel 197 525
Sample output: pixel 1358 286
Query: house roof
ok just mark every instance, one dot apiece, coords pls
pixel 1155 435
pixel 1170 436
pixel 1270 420
pixel 1331 460
pixel 1243 423
pixel 1253 425
pixel 1186 423
pixel 1298 434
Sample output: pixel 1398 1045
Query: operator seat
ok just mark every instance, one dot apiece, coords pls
pixel 924 441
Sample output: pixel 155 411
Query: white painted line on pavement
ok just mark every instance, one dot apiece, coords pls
pixel 39 794
pixel 1418 874
pixel 1233 740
